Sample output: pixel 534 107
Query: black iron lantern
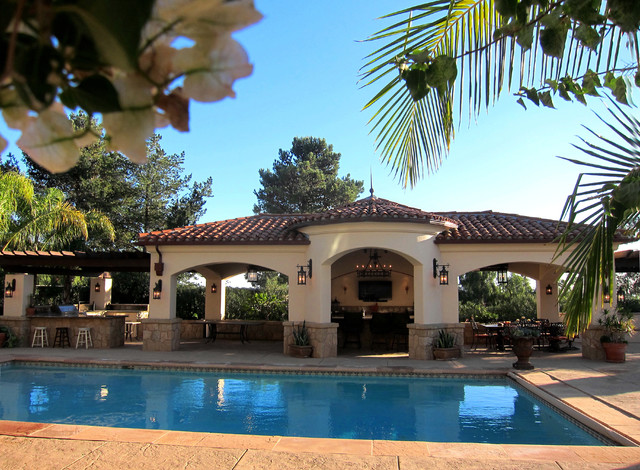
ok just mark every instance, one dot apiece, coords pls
pixel 214 288
pixel 443 274
pixel 549 289
pixel 252 275
pixel 96 288
pixel 303 271
pixel 157 290
pixel 607 297
pixel 503 278
pixel 620 295
pixel 10 289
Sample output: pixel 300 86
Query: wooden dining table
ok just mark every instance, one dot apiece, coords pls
pixel 496 329
pixel 211 328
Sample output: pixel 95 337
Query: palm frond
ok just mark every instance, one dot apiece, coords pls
pixel 471 32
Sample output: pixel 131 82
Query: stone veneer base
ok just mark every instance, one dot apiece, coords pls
pixel 591 345
pixel 161 335
pixel 422 337
pixel 323 337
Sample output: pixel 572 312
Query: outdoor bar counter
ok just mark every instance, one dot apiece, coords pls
pixel 107 331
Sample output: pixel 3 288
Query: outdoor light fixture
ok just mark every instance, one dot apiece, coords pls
pixel 444 273
pixel 10 289
pixel 252 275
pixel 214 288
pixel 549 289
pixel 620 295
pixel 502 274
pixel 302 274
pixel 373 268
pixel 157 290
pixel 96 288
pixel 607 297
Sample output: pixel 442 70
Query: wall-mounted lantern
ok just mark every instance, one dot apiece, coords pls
pixel 549 289
pixel 10 289
pixel 214 288
pixel 503 278
pixel 620 295
pixel 443 274
pixel 607 296
pixel 302 274
pixel 96 288
pixel 252 274
pixel 157 290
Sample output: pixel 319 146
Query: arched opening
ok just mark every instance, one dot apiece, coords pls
pixel 372 292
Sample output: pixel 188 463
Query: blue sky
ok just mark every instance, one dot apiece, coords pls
pixel 307 57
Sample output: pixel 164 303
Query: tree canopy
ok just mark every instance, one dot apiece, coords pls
pixel 305 179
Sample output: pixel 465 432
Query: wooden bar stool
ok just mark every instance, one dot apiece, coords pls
pixel 62 337
pixel 40 337
pixel 84 337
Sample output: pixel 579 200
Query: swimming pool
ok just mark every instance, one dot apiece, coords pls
pixel 336 406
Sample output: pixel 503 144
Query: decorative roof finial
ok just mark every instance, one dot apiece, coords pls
pixel 371 184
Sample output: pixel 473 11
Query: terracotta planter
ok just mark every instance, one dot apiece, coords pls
pixel 446 354
pixel 3 338
pixel 615 352
pixel 31 311
pixel 300 351
pixel 523 348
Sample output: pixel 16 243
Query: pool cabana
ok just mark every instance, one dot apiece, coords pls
pixel 330 249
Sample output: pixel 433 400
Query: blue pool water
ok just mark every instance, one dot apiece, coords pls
pixel 353 407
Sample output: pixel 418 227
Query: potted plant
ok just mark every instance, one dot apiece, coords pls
pixel 444 347
pixel 31 308
pixel 300 346
pixel 522 339
pixel 7 338
pixel 617 326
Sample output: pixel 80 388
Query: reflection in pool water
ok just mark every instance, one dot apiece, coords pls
pixel 354 407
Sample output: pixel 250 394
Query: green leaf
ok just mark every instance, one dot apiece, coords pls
pixel 637 78
pixel 442 73
pixel 625 14
pixel 95 94
pixel 552 83
pixel 506 8
pixel 524 37
pixel 588 36
pixel 552 40
pixel 590 83
pixel 562 91
pixel 520 101
pixel 545 99
pixel 531 94
pixel 416 80
pixel 584 11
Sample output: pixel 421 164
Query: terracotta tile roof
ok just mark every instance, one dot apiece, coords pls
pixel 258 229
pixel 374 209
pixel 497 227
pixel 274 229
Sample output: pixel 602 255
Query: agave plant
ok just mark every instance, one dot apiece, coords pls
pixel 442 58
pixel 603 208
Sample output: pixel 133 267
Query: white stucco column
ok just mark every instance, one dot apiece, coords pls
pixel 214 301
pixel 16 306
pixel 547 304
pixel 428 297
pixel 102 298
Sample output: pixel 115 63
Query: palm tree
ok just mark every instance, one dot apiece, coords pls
pixel 605 204
pixel 448 57
pixel 30 221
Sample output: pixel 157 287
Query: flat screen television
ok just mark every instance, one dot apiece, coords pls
pixel 374 291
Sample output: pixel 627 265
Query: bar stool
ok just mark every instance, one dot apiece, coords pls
pixel 84 337
pixel 40 337
pixel 62 337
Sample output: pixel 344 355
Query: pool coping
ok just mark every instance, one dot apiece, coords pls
pixel 536 382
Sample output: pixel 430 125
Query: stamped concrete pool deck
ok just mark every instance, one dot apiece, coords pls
pixel 608 395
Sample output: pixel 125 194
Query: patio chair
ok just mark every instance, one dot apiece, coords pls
pixel 479 335
pixel 399 329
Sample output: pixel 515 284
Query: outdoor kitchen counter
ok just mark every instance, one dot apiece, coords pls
pixel 106 331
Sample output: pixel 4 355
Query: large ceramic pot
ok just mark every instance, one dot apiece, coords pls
pixel 523 348
pixel 446 354
pixel 300 351
pixel 615 352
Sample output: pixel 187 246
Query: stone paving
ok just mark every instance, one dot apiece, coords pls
pixel 609 394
